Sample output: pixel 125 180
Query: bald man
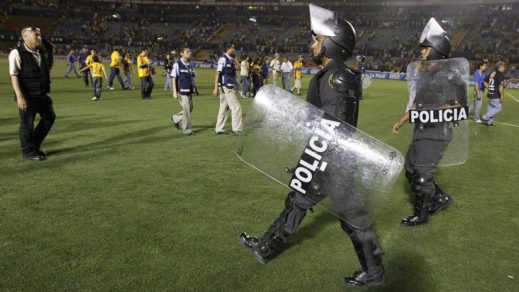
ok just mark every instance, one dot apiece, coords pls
pixel 29 68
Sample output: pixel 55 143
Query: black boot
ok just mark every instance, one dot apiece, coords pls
pixel 260 249
pixel 266 247
pixel 370 258
pixel 421 211
pixel 440 200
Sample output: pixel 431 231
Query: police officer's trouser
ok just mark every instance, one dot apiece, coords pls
pixel 347 204
pixel 31 138
pixel 425 153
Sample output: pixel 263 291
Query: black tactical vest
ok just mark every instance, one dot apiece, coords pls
pixel 34 80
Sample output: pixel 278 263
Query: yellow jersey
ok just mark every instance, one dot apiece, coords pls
pixel 298 66
pixel 143 60
pixel 97 69
pixel 89 59
pixel 115 59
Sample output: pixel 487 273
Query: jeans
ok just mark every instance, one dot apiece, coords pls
pixel 113 73
pixel 97 84
pixel 285 81
pixel 477 105
pixel 245 83
pixel 494 107
pixel 167 83
pixel 128 79
pixel 146 86
pixel 71 67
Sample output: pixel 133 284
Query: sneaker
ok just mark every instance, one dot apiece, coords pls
pixel 177 125
pixel 479 121
pixel 111 88
pixel 221 133
pixel 94 98
pixel 237 133
pixel 33 157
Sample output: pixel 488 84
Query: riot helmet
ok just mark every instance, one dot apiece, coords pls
pixel 339 35
pixel 435 37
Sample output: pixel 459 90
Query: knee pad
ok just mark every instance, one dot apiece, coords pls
pixel 417 183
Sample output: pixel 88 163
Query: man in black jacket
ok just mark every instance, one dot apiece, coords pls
pixel 336 90
pixel 29 68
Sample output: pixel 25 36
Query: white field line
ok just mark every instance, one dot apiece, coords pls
pixel 507 124
pixel 515 98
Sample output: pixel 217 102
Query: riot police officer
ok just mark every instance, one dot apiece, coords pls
pixel 430 141
pixel 335 89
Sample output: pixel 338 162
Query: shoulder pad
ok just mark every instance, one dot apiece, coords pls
pixel 344 79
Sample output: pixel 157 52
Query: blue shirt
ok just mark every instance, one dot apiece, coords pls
pixel 479 77
pixel 265 70
pixel 82 58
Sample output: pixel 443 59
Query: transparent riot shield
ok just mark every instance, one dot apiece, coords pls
pixel 366 81
pixel 438 108
pixel 316 155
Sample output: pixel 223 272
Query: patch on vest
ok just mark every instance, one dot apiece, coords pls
pixel 438 115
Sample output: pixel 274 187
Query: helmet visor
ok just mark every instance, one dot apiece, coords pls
pixel 323 21
pixel 431 30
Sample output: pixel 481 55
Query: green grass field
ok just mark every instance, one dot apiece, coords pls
pixel 125 202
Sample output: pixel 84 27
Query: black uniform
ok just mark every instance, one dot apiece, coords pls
pixel 34 81
pixel 430 141
pixel 335 89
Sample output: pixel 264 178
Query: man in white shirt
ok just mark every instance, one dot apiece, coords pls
pixel 244 74
pixel 183 85
pixel 224 82
pixel 286 69
pixel 29 68
pixel 275 65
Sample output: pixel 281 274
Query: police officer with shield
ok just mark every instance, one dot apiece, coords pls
pixel 438 89
pixel 335 89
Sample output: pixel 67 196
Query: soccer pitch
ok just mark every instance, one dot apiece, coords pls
pixel 126 202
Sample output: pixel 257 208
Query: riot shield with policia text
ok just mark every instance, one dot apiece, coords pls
pixel 301 147
pixel 438 105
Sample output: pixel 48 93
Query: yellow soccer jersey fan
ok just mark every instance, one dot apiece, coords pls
pixel 115 59
pixel 143 60
pixel 298 65
pixel 89 59
pixel 97 69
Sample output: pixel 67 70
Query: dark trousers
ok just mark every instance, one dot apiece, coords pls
pixel 146 86
pixel 257 82
pixel 97 84
pixel 87 76
pixel 31 138
pixel 113 73
pixel 425 153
